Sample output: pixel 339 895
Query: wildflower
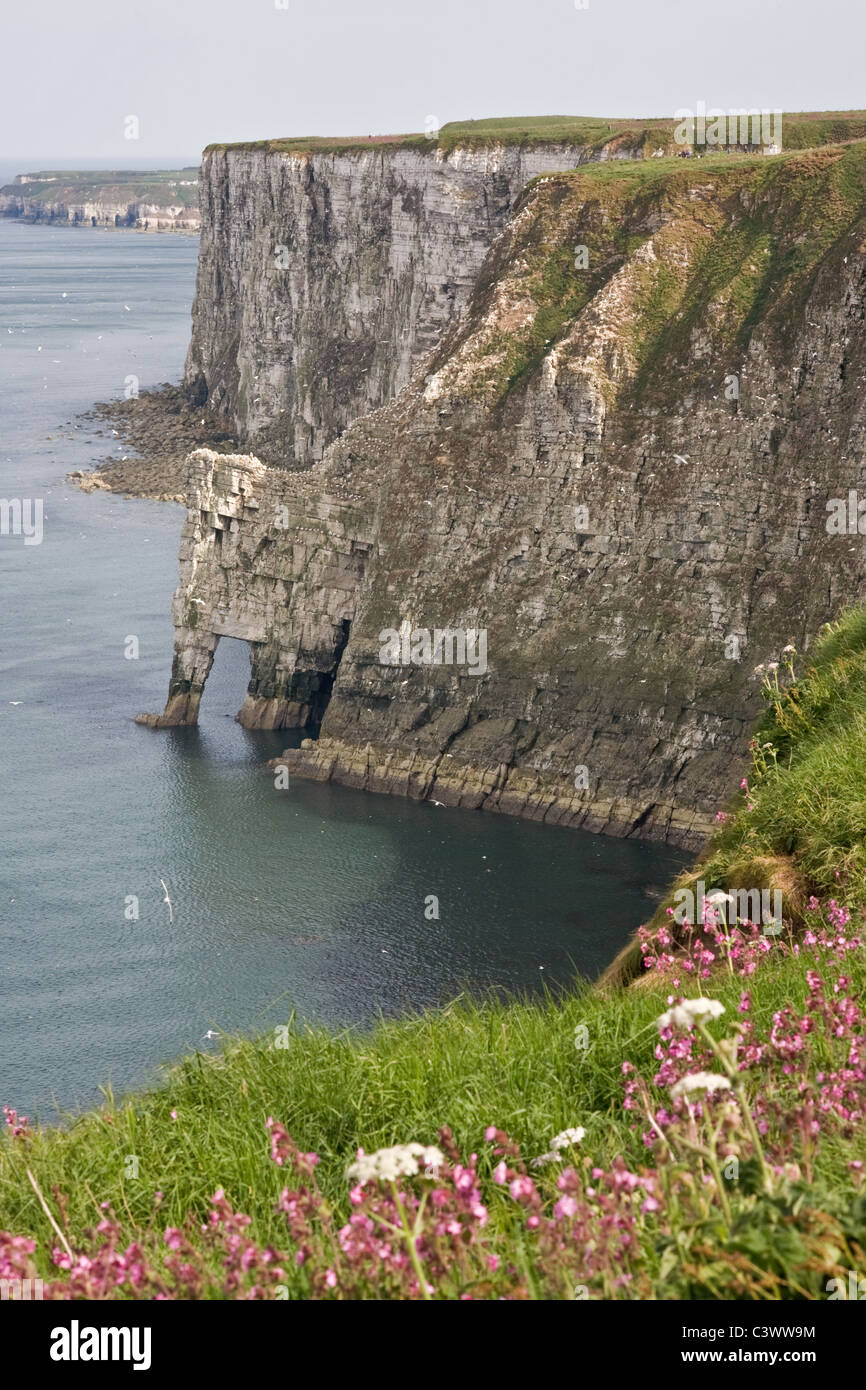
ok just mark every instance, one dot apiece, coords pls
pixel 744 785
pixel 566 1138
pixel 718 903
pixel 790 650
pixel 701 1081
pixel 521 1187
pixel 557 1143
pixel 401 1161
pixel 18 1123
pixel 683 1015
pixel 839 916
pixel 721 817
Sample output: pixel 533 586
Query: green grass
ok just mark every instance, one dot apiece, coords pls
pixel 808 788
pixel 468 1065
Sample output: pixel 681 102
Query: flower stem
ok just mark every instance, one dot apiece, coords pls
pixel 409 1237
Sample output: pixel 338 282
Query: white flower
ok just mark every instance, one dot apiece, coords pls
pixel 401 1161
pixel 701 1081
pixel 719 902
pixel 772 665
pixel 557 1143
pixel 789 650
pixel 567 1138
pixel 684 1014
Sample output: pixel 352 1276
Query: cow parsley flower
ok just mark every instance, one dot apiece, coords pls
pixel 567 1138
pixel 701 1081
pixel 401 1161
pixel 561 1141
pixel 717 904
pixel 683 1015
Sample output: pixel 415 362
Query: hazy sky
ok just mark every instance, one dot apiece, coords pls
pixel 193 71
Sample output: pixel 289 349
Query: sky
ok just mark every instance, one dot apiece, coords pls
pixel 195 71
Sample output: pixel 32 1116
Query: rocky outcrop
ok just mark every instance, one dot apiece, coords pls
pixel 616 464
pixel 269 559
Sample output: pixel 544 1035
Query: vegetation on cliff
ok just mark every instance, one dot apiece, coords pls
pixel 720 247
pixel 798 823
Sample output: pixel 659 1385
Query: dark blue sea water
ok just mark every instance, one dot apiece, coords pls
pixel 309 900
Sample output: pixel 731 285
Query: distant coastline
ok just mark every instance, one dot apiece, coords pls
pixel 161 200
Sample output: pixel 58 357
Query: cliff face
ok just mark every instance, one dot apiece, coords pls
pixel 616 464
pixel 324 277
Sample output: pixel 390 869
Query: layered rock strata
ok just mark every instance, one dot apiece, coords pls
pixel 617 465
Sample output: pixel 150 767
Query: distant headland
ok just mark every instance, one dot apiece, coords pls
pixel 158 200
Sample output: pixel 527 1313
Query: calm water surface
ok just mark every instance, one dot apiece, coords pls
pixel 311 899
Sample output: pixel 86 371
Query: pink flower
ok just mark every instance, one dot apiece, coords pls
pixel 522 1187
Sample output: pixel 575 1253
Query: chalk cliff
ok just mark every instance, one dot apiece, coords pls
pixel 616 461
pixel 326 276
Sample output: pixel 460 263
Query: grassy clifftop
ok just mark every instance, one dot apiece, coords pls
pixel 802 130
